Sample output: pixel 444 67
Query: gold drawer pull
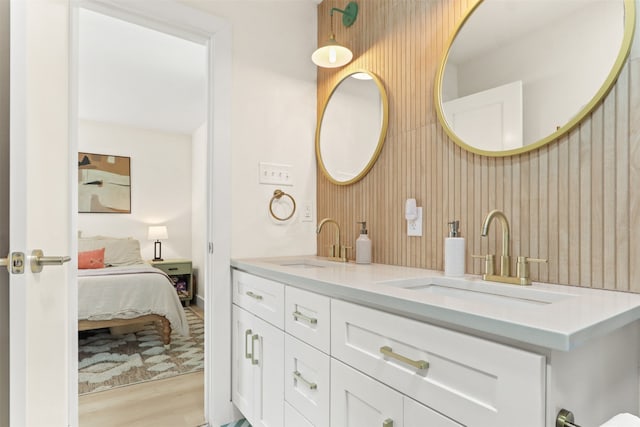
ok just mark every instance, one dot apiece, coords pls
pixel 311 320
pixel 387 423
pixel 418 364
pixel 254 338
pixel 298 376
pixel 247 333
pixel 254 296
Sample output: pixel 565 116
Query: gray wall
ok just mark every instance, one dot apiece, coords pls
pixel 4 211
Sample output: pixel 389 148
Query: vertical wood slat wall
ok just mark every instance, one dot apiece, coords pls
pixel 575 202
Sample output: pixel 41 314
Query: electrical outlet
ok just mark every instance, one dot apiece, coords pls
pixel 272 173
pixel 414 228
pixel 307 212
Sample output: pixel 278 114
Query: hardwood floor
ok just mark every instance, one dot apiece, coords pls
pixel 172 402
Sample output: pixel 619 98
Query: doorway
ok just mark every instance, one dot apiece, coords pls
pixel 213 273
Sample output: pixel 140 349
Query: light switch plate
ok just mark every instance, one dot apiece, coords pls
pixel 273 173
pixel 307 212
pixel 414 228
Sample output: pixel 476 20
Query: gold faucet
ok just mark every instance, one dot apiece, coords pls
pixel 522 271
pixel 505 258
pixel 337 252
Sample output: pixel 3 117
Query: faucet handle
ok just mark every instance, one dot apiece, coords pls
pixel 522 268
pixel 343 252
pixel 489 262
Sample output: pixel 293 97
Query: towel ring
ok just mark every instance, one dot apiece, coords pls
pixel 277 195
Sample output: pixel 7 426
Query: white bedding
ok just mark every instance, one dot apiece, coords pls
pixel 127 292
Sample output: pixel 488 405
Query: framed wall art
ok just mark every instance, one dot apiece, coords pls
pixel 104 183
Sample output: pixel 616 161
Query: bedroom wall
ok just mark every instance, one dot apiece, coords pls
pixel 273 118
pixel 4 211
pixel 160 185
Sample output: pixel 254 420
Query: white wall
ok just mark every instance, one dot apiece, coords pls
pixel 273 118
pixel 4 211
pixel 160 185
pixel 199 206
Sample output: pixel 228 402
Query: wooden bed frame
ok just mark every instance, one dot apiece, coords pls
pixel 162 324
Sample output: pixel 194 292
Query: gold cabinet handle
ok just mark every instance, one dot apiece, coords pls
pixel 298 376
pixel 418 364
pixel 254 338
pixel 254 296
pixel 311 320
pixel 247 355
pixel 387 423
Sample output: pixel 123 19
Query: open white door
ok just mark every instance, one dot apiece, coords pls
pixel 40 212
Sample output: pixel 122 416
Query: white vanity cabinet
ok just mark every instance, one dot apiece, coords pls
pixel 258 369
pixel 258 349
pixel 474 381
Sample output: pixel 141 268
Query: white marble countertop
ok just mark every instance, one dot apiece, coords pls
pixel 573 316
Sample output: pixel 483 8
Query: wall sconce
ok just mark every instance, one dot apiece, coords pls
pixel 157 232
pixel 332 54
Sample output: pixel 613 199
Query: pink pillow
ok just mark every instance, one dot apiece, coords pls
pixel 91 259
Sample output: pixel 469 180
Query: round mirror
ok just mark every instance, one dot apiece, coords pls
pixel 352 128
pixel 520 73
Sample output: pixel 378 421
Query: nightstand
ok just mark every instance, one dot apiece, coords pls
pixel 180 271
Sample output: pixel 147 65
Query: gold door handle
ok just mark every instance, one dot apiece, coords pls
pixel 247 355
pixel 387 423
pixel 14 263
pixel 254 296
pixel 38 260
pixel 311 320
pixel 298 376
pixel 418 364
pixel 254 338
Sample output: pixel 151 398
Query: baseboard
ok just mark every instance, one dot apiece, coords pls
pixel 200 301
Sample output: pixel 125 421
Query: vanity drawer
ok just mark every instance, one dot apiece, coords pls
pixel 307 317
pixel 471 380
pixel 306 380
pixel 293 418
pixel 262 297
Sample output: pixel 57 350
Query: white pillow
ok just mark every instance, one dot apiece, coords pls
pixel 117 252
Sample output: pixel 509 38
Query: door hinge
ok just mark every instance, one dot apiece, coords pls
pixel 210 247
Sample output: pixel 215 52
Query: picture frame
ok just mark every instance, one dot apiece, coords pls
pixel 104 183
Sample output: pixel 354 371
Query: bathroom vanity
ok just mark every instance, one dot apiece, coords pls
pixel 321 343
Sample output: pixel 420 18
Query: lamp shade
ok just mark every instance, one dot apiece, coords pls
pixel 157 232
pixel 332 55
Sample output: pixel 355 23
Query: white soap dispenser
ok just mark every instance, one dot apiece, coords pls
pixel 363 246
pixel 454 251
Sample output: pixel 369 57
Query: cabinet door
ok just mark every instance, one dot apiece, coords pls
pixel 293 418
pixel 242 369
pixel 268 409
pixel 306 381
pixel 417 415
pixel 359 401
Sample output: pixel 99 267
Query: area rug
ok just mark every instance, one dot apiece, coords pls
pixel 241 423
pixel 106 361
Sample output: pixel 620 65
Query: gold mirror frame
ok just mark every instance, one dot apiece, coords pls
pixel 629 29
pixel 383 129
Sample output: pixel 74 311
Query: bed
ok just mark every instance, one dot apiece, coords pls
pixel 116 287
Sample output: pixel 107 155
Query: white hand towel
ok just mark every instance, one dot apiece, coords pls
pixel 623 420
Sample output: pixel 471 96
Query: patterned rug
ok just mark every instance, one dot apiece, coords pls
pixel 241 423
pixel 106 361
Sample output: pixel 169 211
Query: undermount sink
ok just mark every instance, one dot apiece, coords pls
pixel 301 264
pixel 491 293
